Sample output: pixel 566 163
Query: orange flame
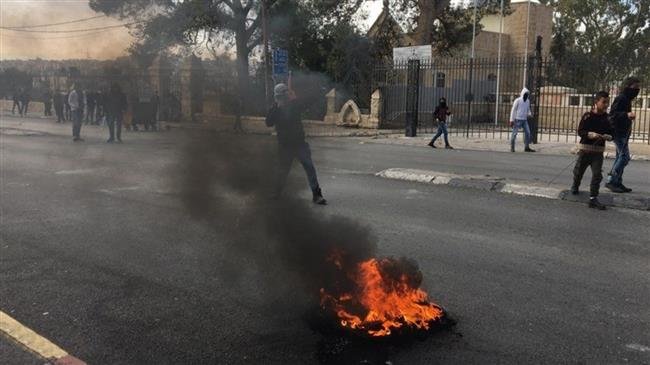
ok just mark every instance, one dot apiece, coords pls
pixel 387 303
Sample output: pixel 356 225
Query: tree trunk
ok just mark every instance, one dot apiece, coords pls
pixel 241 41
pixel 429 10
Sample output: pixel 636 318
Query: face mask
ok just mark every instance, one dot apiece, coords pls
pixel 443 103
pixel 526 97
pixel 631 93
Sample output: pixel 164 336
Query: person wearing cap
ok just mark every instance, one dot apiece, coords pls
pixel 285 116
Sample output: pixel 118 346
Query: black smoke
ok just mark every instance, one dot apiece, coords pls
pixel 227 181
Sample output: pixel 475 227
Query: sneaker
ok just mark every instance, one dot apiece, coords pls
pixel 594 203
pixel 614 188
pixel 449 147
pixel 575 190
pixel 431 145
pixel 512 149
pixel 626 189
pixel 110 140
pixel 528 149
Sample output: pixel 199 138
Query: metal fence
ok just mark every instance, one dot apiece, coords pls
pixel 481 91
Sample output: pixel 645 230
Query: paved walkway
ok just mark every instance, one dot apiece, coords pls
pixel 639 151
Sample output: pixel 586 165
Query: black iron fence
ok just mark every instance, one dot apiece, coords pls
pixel 481 91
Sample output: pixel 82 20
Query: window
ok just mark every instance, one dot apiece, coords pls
pixel 589 101
pixel 492 77
pixel 440 79
pixel 574 100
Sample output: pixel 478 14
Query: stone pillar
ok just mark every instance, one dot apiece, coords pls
pixel 192 76
pixel 375 109
pixel 331 116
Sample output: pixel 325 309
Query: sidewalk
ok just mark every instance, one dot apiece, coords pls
pixel 522 188
pixel 255 125
pixel 639 151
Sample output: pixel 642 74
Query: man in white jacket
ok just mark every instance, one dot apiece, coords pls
pixel 76 101
pixel 519 119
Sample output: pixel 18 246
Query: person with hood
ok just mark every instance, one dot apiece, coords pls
pixel 621 118
pixel 76 102
pixel 519 119
pixel 594 130
pixel 285 116
pixel 440 114
pixel 115 105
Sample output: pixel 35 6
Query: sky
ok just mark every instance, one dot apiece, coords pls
pixel 108 44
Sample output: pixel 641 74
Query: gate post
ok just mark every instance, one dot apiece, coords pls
pixel 412 97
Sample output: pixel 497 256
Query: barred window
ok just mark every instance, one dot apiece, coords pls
pixel 440 79
pixel 574 100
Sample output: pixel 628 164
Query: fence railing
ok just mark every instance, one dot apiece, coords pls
pixel 480 93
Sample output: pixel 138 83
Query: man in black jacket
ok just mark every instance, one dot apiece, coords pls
pixel 115 105
pixel 621 118
pixel 285 115
pixel 594 130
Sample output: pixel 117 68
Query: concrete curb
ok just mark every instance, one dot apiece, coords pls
pixel 501 185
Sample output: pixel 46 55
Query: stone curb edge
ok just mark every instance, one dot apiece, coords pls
pixel 501 185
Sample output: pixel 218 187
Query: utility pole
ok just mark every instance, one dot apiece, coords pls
pixel 526 49
pixel 496 109
pixel 470 96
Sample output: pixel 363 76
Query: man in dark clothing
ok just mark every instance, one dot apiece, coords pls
pixel 594 130
pixel 621 118
pixel 285 116
pixel 440 114
pixel 47 100
pixel 25 98
pixel 99 107
pixel 67 111
pixel 58 106
pixel 114 106
pixel 16 99
pixel 91 101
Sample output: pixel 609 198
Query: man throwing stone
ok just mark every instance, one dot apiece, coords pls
pixel 285 116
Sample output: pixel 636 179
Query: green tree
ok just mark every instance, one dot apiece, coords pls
pixel 607 38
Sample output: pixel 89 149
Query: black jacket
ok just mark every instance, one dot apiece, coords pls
pixel 597 123
pixel 115 103
pixel 619 120
pixel 287 122
pixel 441 113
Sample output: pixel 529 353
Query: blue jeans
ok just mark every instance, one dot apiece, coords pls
pixel 442 129
pixel 287 154
pixel 622 159
pixel 520 123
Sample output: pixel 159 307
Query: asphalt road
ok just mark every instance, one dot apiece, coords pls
pixel 97 255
